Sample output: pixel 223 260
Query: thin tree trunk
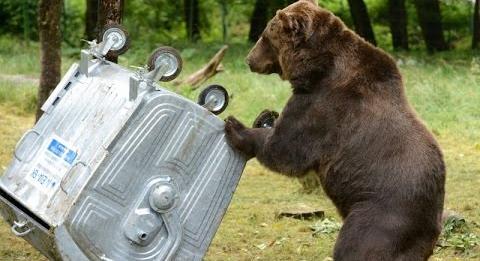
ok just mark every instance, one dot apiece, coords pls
pixel 49 12
pixel 430 19
pixel 26 23
pixel 476 25
pixel 361 20
pixel 398 24
pixel 259 20
pixel 91 13
pixel 224 6
pixel 109 12
pixel 192 19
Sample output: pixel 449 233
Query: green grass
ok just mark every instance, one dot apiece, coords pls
pixel 19 97
pixel 443 88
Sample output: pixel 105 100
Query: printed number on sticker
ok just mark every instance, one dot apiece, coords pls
pixel 43 179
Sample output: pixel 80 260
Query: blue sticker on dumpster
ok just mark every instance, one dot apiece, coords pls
pixel 70 157
pixel 57 148
pixel 61 151
pixel 52 165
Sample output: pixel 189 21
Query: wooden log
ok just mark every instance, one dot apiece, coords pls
pixel 301 211
pixel 206 72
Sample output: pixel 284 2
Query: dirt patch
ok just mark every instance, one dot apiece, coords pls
pixel 20 79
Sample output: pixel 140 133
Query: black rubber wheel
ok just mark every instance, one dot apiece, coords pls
pixel 121 30
pixel 266 119
pixel 162 50
pixel 220 92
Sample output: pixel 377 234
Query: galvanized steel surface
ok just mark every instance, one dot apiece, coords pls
pixel 107 175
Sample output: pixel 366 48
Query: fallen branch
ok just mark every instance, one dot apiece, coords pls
pixel 206 72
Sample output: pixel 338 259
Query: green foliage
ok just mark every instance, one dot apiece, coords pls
pixel 457 234
pixel 339 8
pixel 325 226
pixel 457 20
pixel 73 22
pixel 19 18
pixel 415 37
pixel 154 20
pixel 162 21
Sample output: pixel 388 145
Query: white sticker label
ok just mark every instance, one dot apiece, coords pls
pixel 55 160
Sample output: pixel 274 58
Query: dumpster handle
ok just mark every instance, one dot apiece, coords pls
pixel 20 143
pixel 19 225
pixel 175 233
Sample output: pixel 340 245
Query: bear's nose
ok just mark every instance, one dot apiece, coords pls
pixel 249 63
pixel 247 60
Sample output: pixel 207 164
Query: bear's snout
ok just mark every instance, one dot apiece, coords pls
pixel 248 61
pixel 261 68
pixel 260 63
pixel 254 66
pixel 261 58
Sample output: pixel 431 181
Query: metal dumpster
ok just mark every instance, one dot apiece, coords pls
pixel 118 168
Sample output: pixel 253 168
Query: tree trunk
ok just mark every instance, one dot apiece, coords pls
pixel 398 24
pixel 361 20
pixel 476 25
pixel 262 12
pixel 259 20
pixel 192 19
pixel 430 19
pixel 91 13
pixel 109 12
pixel 49 12
pixel 274 5
pixel 224 6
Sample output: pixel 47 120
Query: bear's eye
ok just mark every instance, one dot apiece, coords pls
pixel 266 39
pixel 268 43
pixel 272 25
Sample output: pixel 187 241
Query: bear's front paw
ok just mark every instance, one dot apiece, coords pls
pixel 231 123
pixel 238 137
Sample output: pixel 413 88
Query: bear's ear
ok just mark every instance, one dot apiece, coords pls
pixel 299 25
pixel 311 1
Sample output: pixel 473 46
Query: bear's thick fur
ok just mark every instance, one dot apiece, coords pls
pixel 349 121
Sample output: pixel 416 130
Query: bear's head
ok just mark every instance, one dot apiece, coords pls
pixel 297 44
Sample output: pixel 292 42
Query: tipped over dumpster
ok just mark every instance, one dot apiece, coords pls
pixel 119 168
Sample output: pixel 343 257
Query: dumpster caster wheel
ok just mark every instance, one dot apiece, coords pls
pixel 169 55
pixel 120 36
pixel 214 98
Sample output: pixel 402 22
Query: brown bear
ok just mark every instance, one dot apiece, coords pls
pixel 348 119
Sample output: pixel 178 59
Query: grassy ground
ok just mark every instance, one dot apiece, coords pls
pixel 444 89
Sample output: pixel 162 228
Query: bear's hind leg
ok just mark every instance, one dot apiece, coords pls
pixel 373 234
